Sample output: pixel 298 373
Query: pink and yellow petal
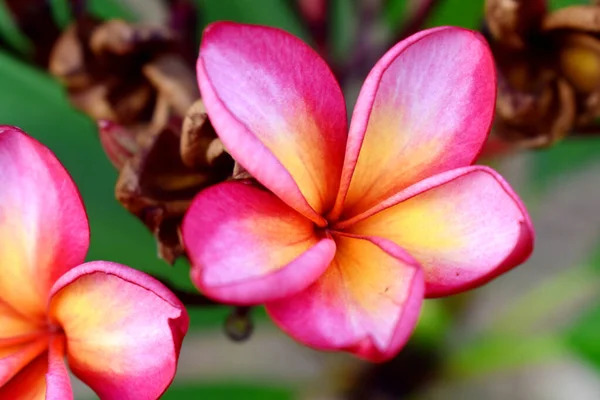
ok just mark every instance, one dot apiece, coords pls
pixel 44 378
pixel 464 227
pixel 425 108
pixel 366 303
pixel 43 226
pixel 247 246
pixel 13 358
pixel 29 383
pixel 278 110
pixel 15 328
pixel 124 329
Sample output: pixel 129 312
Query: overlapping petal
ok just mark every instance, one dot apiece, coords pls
pixel 43 226
pixel 464 227
pixel 45 377
pixel 14 327
pixel 367 302
pixel 247 246
pixel 58 383
pixel 29 383
pixel 425 108
pixel 14 357
pixel 278 110
pixel 123 328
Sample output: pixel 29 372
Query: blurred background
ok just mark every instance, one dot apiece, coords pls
pixel 533 333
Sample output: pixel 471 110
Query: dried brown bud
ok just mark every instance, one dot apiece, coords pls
pixel 158 187
pixel 159 135
pixel 549 69
pixel 199 143
pixel 512 22
pixel 119 144
pixel 116 70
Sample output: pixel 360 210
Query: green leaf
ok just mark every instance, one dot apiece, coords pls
pixel 584 337
pixel 569 155
pixel 394 14
pixel 455 12
pixel 227 390
pixel 500 353
pixel 275 13
pixel 342 31
pixel 10 33
pixel 107 9
pixel 554 4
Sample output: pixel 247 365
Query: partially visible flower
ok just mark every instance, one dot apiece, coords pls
pixel 352 226
pixel 549 69
pixel 120 330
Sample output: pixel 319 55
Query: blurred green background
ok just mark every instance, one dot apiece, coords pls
pixel 543 318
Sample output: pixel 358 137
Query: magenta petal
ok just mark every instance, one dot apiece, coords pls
pixel 58 383
pixel 278 110
pixel 464 226
pixel 425 108
pixel 247 246
pixel 43 226
pixel 366 303
pixel 124 329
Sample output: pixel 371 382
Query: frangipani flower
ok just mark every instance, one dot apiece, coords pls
pixel 356 225
pixel 120 329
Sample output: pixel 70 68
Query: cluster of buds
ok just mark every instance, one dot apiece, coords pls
pixel 548 66
pixel 135 82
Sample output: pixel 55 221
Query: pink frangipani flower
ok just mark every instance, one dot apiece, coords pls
pixel 354 226
pixel 120 329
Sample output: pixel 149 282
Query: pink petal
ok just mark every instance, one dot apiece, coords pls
pixel 30 383
pixel 464 226
pixel 247 246
pixel 45 377
pixel 278 110
pixel 58 383
pixel 367 302
pixel 13 358
pixel 425 108
pixel 124 329
pixel 43 226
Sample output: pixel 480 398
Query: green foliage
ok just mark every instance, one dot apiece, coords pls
pixel 226 390
pixel 584 337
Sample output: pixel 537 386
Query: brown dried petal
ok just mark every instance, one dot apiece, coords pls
pixel 511 21
pixel 579 60
pixel 199 144
pixel 119 143
pixel 588 109
pixel 119 38
pixel 67 60
pixel 582 18
pixel 563 113
pixel 157 187
pixel 547 122
pixel 168 239
pixel 132 100
pixel 240 173
pixel 525 94
pixel 94 102
pixel 171 76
